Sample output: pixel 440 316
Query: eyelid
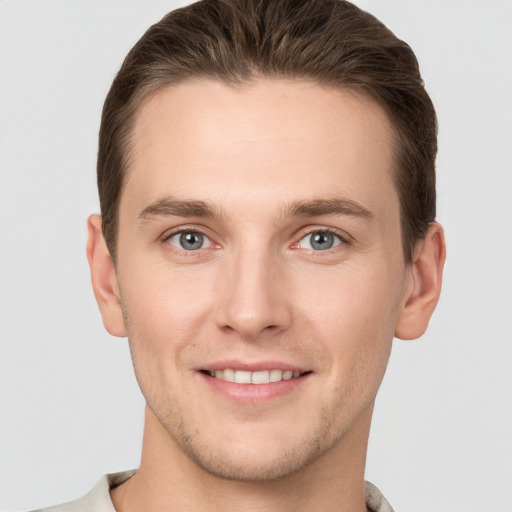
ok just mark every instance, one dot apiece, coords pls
pixel 177 230
pixel 184 228
pixel 344 237
pixel 203 239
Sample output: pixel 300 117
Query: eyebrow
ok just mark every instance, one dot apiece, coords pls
pixel 321 207
pixel 172 207
pixel 307 208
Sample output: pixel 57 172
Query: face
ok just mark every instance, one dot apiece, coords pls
pixel 260 270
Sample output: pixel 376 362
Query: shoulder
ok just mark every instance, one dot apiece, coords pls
pixel 96 500
pixel 375 501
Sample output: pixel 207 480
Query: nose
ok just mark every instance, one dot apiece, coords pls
pixel 253 298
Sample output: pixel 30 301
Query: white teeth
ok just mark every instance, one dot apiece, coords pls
pixel 228 375
pixel 276 375
pixel 260 377
pixel 242 377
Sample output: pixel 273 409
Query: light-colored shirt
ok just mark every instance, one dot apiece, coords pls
pixel 98 499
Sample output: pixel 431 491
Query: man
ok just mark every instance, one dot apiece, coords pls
pixel 267 190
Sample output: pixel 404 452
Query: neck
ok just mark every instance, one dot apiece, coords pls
pixel 169 480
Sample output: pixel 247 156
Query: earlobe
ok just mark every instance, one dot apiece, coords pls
pixel 424 285
pixel 104 279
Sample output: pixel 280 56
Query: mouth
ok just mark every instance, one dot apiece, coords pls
pixel 257 377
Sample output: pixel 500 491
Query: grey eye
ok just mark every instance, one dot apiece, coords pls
pixel 188 240
pixel 320 241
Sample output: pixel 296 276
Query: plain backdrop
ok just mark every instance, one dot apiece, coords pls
pixel 70 409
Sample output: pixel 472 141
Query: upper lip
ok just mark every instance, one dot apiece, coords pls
pixel 254 366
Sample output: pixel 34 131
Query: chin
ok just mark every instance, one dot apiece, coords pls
pixel 248 468
pixel 257 460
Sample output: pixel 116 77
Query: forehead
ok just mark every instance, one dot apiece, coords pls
pixel 289 139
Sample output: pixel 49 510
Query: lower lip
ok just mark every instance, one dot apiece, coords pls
pixel 253 394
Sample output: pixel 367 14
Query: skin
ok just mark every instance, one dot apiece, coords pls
pixel 273 162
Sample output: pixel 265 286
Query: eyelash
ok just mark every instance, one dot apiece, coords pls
pixel 344 240
pixel 185 230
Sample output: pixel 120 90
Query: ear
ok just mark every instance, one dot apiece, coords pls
pixel 423 285
pixel 104 279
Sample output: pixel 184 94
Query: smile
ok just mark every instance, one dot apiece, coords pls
pixel 259 377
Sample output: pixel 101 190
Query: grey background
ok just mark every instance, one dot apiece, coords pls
pixel 70 409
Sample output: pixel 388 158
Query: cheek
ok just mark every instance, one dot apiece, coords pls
pixel 357 327
pixel 353 296
pixel 164 318
pixel 165 308
pixel 352 313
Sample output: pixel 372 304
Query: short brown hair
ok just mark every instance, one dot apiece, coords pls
pixel 331 42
